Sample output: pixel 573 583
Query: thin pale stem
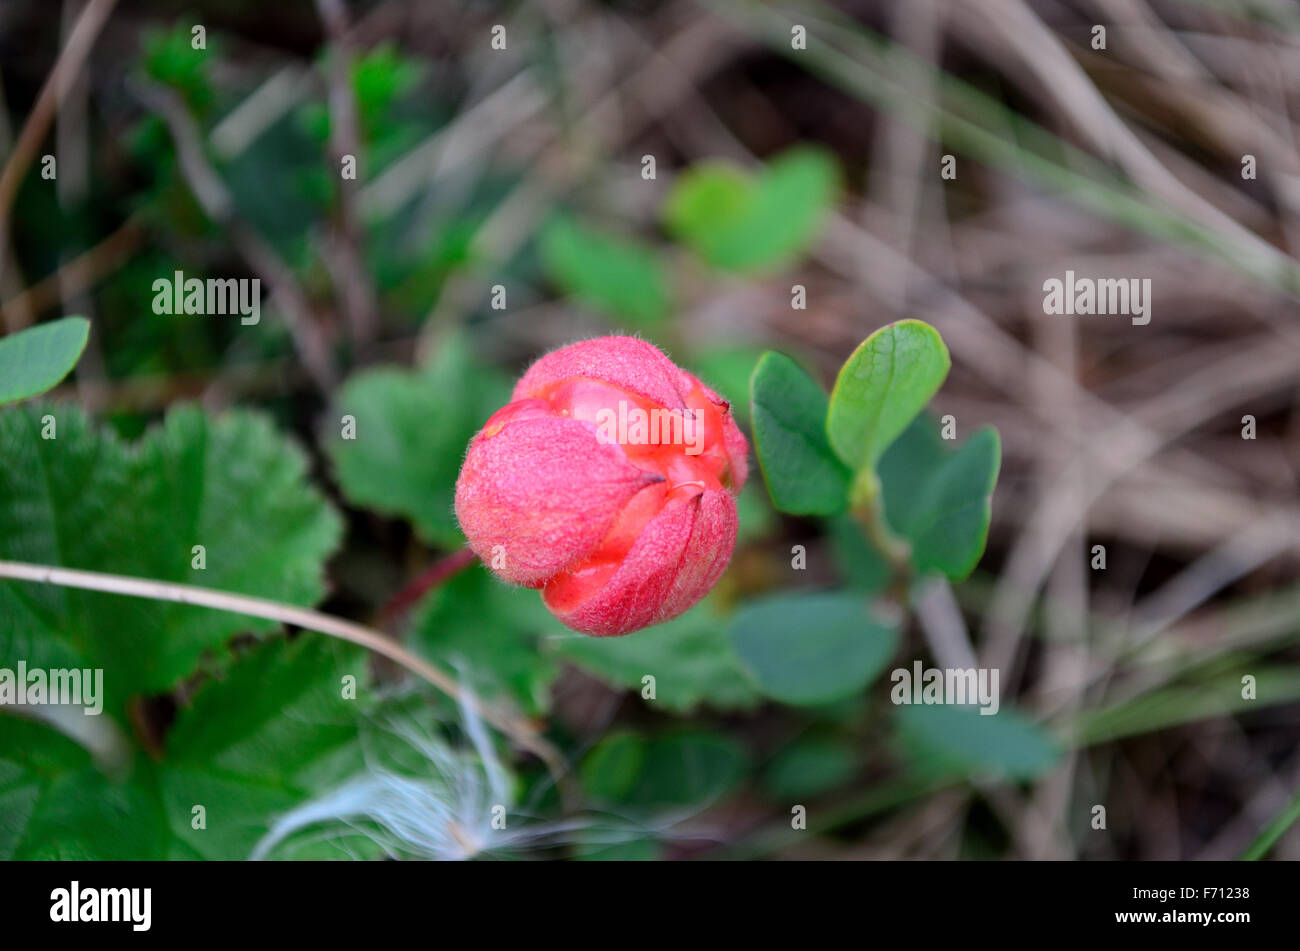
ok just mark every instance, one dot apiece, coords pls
pixel 867 505
pixel 514 727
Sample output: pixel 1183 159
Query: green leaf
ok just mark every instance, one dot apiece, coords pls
pixel 619 277
pixel 380 77
pixel 276 730
pixel 83 816
pixel 941 500
pixel 789 412
pixel 612 767
pixel 255 744
pixel 593 847
pixel 690 658
pixel 688 768
pixel 812 648
pixel 749 224
pixel 754 511
pixel 704 206
pixel 682 768
pixel 951 737
pixel 881 387
pixel 810 768
pixel 84 499
pixel 491 629
pixel 168 56
pixel 36 359
pixel 33 758
pixel 863 568
pixel 412 428
pixel 1273 832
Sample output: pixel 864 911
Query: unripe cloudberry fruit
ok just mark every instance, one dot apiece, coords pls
pixel 609 483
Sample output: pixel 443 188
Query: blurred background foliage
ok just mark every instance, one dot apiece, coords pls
pixel 522 171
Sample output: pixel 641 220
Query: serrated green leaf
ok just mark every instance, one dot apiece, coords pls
pixel 748 224
pixel 84 499
pixel 812 648
pixel 249 747
pixel 275 730
pixel 54 804
pixel 412 428
pixel 881 388
pixel 788 408
pixel 614 275
pixel 36 359
pixel 690 657
pixel 32 757
pixel 941 500
pixel 960 738
pixel 84 816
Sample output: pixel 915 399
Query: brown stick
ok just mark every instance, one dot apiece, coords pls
pixel 81 273
pixel 351 278
pixel 52 93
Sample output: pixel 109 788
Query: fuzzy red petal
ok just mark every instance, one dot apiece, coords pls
pixel 677 558
pixel 734 441
pixel 626 362
pixel 546 491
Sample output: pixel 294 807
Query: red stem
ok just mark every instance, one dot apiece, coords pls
pixel 427 580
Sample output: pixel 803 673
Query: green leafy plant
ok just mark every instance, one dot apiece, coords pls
pixel 920 509
pixel 868 450
pixel 83 499
pixel 86 500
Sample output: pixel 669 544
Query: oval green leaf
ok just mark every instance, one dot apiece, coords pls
pixel 810 767
pixel 36 359
pixel 960 738
pixel 788 409
pixel 941 500
pixel 881 388
pixel 812 648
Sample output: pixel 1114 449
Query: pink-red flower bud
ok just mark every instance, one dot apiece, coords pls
pixel 609 483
